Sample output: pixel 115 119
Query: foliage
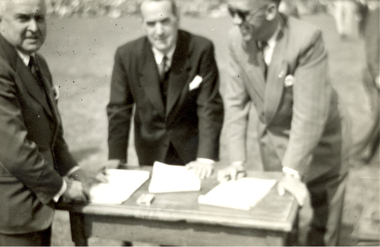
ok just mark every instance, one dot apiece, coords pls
pixel 119 8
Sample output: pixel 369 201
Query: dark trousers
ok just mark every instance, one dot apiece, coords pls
pixel 327 197
pixel 41 238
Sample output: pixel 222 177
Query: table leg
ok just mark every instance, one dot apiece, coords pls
pixel 275 240
pixel 78 229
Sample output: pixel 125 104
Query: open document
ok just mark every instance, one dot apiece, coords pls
pixel 120 186
pixel 171 178
pixel 240 194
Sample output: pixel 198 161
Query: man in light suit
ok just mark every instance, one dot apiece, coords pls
pixel 34 156
pixel 278 64
pixel 171 78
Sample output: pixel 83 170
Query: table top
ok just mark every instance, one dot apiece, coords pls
pixel 273 212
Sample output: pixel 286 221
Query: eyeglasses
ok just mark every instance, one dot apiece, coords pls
pixel 243 14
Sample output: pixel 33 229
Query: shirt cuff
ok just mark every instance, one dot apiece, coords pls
pixel 238 163
pixel 292 172
pixel 74 169
pixel 60 193
pixel 207 161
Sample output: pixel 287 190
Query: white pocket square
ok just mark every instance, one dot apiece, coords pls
pixel 194 84
pixel 55 90
pixel 289 81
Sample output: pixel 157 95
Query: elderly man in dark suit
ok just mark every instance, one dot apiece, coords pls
pixel 278 65
pixel 171 78
pixel 34 156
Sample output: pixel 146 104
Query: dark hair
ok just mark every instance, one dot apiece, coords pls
pixel 172 2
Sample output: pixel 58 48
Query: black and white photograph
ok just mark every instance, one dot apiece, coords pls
pixel 189 123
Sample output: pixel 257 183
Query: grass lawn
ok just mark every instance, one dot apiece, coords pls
pixel 80 54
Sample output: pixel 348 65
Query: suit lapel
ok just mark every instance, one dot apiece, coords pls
pixel 32 86
pixel 253 70
pixel 178 73
pixel 277 71
pixel 49 93
pixel 149 79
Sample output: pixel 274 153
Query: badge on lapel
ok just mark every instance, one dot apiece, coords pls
pixel 195 83
pixel 289 81
pixel 55 90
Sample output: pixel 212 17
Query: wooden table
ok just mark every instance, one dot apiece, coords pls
pixel 178 219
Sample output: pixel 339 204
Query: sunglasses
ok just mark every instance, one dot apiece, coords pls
pixel 243 14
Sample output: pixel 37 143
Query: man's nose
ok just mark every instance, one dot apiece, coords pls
pixel 159 29
pixel 237 20
pixel 32 26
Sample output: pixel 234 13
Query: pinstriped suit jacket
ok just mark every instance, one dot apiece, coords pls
pixel 299 126
pixel 33 153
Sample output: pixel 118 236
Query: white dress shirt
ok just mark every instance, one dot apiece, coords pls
pixel 159 56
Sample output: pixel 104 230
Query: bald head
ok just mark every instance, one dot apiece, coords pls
pixel 5 3
pixel 173 5
pixel 3 7
pixel 23 24
pixel 254 4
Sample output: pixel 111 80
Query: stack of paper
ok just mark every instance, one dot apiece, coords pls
pixel 120 186
pixel 171 178
pixel 240 194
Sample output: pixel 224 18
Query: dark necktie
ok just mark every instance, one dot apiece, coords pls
pixel 261 57
pixel 163 67
pixel 34 69
pixel 37 76
pixel 164 77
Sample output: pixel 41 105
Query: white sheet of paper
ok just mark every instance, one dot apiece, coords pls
pixel 243 193
pixel 120 186
pixel 172 178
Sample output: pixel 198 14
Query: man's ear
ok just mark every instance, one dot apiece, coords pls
pixel 271 12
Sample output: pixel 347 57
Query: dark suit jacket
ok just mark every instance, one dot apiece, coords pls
pixel 33 153
pixel 299 125
pixel 191 120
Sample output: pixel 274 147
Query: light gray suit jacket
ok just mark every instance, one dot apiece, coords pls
pixel 299 125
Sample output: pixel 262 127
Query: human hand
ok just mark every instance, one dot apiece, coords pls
pixel 88 180
pixel 201 169
pixel 75 191
pixel 232 172
pixel 99 177
pixel 294 186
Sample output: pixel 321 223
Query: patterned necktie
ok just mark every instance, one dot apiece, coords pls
pixel 37 76
pixel 34 69
pixel 163 68
pixel 164 77
pixel 261 57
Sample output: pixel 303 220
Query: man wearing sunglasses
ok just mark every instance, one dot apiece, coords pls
pixel 278 64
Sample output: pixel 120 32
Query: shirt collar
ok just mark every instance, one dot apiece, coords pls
pixel 158 55
pixel 24 57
